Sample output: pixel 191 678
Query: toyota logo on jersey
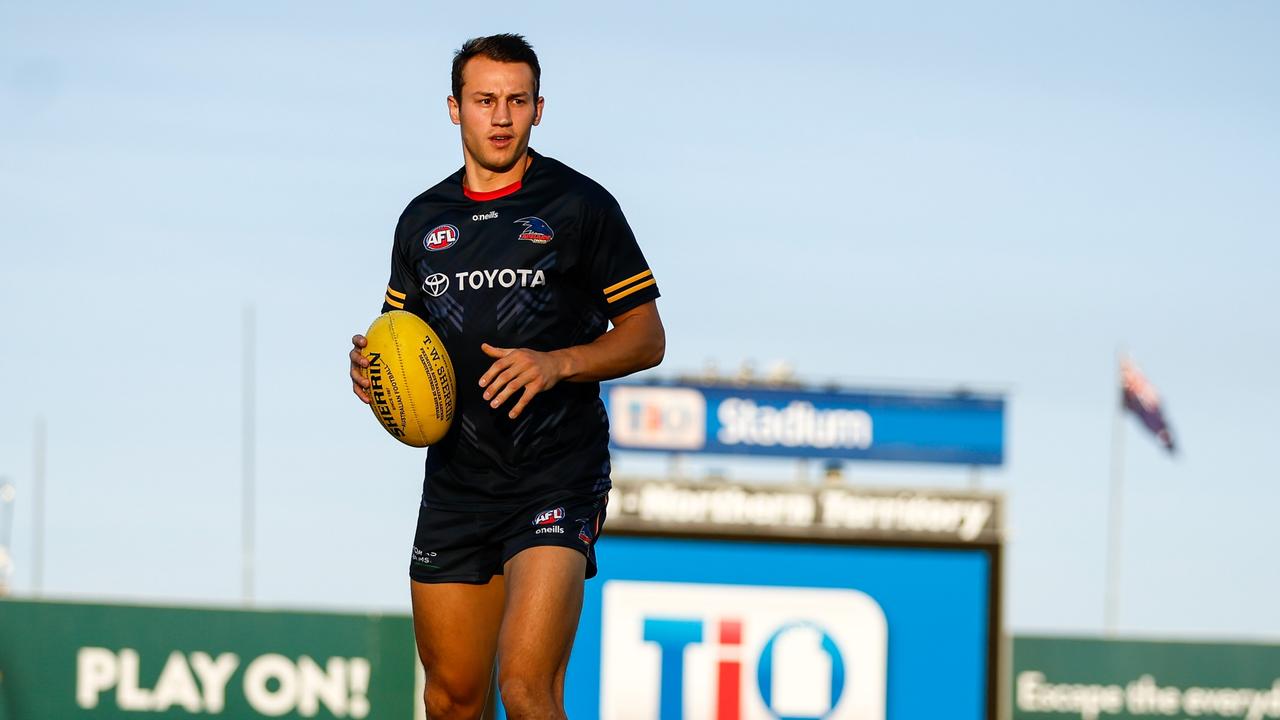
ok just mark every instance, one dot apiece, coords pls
pixel 435 285
pixel 739 652
pixel 441 237
pixel 536 230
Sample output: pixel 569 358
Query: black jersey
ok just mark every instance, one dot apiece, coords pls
pixel 543 264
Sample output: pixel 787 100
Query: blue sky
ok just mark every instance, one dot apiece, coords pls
pixel 898 194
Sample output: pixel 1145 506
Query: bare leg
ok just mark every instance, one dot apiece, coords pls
pixel 456 626
pixel 544 599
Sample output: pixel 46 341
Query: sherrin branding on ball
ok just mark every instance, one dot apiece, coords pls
pixel 412 390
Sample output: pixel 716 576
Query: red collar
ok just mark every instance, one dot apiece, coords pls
pixel 491 194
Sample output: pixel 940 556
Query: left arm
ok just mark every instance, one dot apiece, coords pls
pixel 636 341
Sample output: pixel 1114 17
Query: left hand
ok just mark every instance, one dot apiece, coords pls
pixel 518 369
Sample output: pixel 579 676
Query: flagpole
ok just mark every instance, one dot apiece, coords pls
pixel 1114 514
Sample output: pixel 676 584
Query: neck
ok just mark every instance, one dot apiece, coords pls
pixel 481 179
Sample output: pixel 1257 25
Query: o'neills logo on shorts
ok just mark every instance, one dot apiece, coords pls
pixel 379 396
pixel 549 517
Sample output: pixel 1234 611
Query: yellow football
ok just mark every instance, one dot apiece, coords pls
pixel 412 389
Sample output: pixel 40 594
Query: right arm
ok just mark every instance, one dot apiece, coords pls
pixel 401 290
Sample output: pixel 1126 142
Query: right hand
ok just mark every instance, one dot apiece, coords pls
pixel 359 383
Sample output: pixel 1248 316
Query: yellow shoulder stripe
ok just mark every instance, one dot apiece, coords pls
pixel 395 294
pixel 633 288
pixel 628 281
pixel 394 302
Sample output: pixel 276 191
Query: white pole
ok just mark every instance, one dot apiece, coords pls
pixel 7 494
pixel 37 503
pixel 1115 518
pixel 248 453
pixel 675 466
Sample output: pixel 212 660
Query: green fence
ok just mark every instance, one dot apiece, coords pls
pixel 1059 678
pixel 63 661
pixel 71 660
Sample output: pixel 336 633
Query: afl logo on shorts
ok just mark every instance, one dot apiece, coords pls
pixel 441 238
pixel 549 517
pixel 536 230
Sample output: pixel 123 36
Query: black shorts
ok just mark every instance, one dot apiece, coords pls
pixel 471 547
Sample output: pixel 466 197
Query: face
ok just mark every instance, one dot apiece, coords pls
pixel 497 112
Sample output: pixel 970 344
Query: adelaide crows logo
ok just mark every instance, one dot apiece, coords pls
pixel 536 230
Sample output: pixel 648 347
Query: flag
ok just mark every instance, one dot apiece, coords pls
pixel 1141 398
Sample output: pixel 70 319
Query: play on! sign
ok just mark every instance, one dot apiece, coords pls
pixel 737 652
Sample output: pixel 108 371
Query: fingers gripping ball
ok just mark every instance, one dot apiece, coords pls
pixel 411 384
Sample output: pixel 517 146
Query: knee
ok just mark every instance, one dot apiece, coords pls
pixel 452 702
pixel 526 699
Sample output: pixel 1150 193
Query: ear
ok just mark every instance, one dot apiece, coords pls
pixel 537 115
pixel 454 111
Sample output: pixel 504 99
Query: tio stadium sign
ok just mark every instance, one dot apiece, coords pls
pixel 735 652
pixel 911 427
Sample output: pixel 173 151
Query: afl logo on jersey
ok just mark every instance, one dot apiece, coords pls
pixel 536 230
pixel 441 238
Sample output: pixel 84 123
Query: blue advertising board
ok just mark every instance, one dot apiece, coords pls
pixel 676 628
pixel 898 427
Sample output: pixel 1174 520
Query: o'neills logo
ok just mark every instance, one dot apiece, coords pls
pixel 380 403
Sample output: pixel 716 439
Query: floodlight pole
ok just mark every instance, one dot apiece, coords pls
pixel 248 453
pixel 1111 594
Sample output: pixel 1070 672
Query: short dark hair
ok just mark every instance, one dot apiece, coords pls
pixel 505 47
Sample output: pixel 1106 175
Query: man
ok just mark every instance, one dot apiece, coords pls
pixel 520 264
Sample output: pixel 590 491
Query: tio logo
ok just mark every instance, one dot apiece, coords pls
pixel 674 636
pixel 658 417
pixel 674 651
